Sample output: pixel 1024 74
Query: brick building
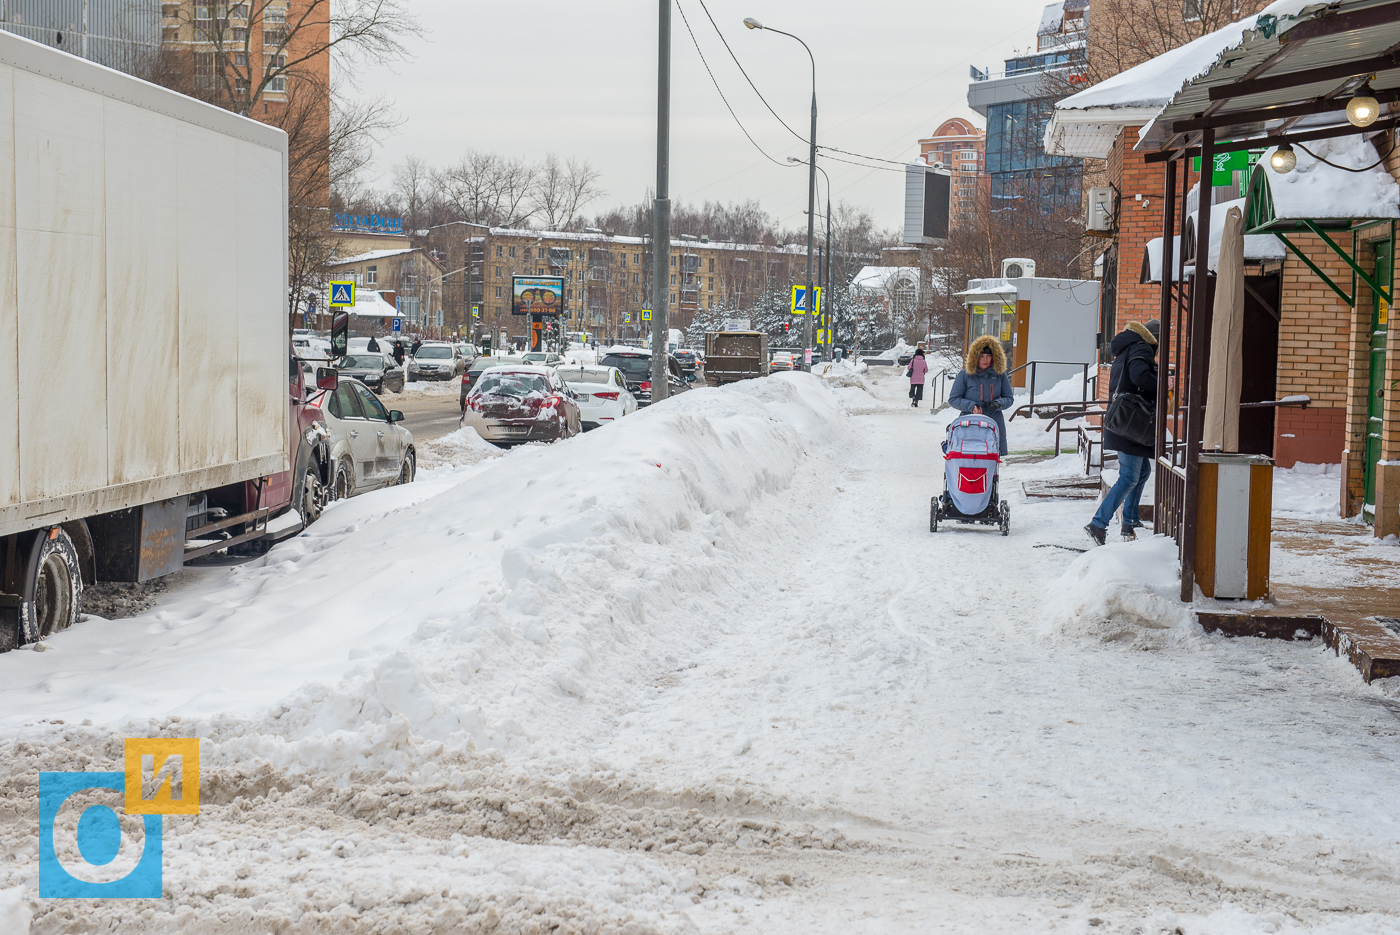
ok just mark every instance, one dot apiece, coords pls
pixel 407 278
pixel 959 146
pixel 607 277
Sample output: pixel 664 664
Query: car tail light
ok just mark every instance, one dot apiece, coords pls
pixel 611 395
pixel 474 402
pixel 552 401
pixel 646 387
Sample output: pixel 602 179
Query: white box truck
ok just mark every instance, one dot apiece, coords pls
pixel 144 366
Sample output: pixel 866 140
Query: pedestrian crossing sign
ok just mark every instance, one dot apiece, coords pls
pixel 476 311
pixel 646 314
pixel 799 299
pixel 342 295
pixel 627 318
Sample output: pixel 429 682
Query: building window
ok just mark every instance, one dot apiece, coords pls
pixel 498 292
pixel 498 270
pixel 673 298
pixel 636 259
pixel 498 253
pixel 372 275
pixel 528 254
pixel 512 251
pixel 712 264
pixel 636 278
pixel 712 282
pixel 204 70
pixel 1191 10
pixel 673 259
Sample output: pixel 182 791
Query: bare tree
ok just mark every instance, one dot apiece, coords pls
pixel 414 191
pixel 562 187
pixel 245 50
pixel 485 188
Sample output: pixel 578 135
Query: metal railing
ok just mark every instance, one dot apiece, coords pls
pixel 1031 406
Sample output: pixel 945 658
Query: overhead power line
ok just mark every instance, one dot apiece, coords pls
pixel 799 136
pixel 696 43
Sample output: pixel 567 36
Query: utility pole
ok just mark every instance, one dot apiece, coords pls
pixel 661 211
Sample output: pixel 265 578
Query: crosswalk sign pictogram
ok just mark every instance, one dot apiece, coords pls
pixel 646 314
pixel 799 299
pixel 342 294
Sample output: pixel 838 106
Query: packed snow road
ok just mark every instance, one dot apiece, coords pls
pixel 708 670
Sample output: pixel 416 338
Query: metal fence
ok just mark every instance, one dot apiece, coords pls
pixel 121 34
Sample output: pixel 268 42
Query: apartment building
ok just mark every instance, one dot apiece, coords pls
pixel 608 277
pixel 407 278
pixel 959 146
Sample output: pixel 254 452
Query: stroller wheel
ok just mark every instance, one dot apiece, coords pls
pixel 933 515
pixel 1005 518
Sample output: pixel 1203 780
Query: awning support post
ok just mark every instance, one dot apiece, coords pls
pixel 1199 373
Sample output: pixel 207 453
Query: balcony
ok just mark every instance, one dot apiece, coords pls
pixel 599 274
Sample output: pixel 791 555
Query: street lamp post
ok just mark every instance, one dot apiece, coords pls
pixel 826 287
pixel 661 211
pixel 752 23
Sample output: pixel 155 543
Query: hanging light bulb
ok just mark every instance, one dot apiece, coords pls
pixel 1363 108
pixel 1282 161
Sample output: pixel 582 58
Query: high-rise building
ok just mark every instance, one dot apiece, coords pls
pixel 1018 104
pixel 960 147
pixel 121 34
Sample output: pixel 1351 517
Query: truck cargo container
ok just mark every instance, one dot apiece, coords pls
pixel 145 389
pixel 735 355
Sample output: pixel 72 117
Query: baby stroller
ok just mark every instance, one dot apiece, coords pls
pixel 970 477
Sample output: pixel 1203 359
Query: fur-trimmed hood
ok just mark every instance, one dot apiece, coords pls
pixel 1139 329
pixel 974 351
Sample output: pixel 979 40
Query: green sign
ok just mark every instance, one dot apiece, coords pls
pixel 1226 164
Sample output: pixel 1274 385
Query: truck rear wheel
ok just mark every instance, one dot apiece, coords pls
pixel 53 589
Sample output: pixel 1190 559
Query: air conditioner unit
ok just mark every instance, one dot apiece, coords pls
pixel 1098 210
pixel 1015 267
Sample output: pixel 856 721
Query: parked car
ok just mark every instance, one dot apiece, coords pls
pixel 435 361
pixel 469 352
pixel 479 366
pixel 520 403
pixel 636 370
pixel 369 448
pixel 602 393
pixel 375 371
pixel 782 360
pixel 544 358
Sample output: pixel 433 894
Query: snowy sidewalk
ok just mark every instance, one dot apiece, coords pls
pixel 708 670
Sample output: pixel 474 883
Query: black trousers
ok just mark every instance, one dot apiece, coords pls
pixel 916 391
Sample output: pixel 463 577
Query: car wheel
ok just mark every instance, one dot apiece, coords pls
pixel 409 469
pixel 412 378
pixel 400 389
pixel 313 495
pixel 344 483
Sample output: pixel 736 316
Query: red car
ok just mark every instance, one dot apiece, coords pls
pixel 517 403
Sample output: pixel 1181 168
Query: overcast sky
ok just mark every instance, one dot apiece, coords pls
pixel 579 79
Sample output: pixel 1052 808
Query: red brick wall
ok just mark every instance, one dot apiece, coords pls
pixel 1140 189
pixel 1311 436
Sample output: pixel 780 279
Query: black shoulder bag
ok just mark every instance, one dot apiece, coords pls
pixel 1132 417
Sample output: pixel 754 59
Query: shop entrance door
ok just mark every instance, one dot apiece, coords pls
pixel 1375 398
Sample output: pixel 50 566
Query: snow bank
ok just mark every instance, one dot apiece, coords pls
pixel 1123 592
pixel 14 912
pixel 1308 489
pixel 462 447
pixel 553 560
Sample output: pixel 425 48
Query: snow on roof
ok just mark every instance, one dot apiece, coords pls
pixel 1256 246
pixel 370 304
pixel 372 255
pixel 1085 124
pixel 1316 190
pixel 977 287
pixel 1051 18
pixel 879 277
pixel 639 241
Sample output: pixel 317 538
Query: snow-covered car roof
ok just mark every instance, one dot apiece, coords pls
pixel 521 368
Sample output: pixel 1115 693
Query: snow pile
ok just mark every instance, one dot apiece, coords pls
pixel 900 349
pixel 460 448
pixel 1317 190
pixel 1123 592
pixel 1308 489
pixel 14 911
pixel 1070 389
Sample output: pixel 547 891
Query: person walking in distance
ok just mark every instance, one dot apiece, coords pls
pixel 917 374
pixel 372 346
pixel 983 388
pixel 1134 371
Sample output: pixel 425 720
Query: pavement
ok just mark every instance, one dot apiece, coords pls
pixel 427 415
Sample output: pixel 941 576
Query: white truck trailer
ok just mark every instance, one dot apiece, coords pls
pixel 143 325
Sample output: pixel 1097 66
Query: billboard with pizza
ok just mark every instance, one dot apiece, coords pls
pixel 537 295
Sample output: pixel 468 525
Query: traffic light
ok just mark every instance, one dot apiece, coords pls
pixel 787 327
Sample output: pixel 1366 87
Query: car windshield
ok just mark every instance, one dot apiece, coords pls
pixel 372 362
pixel 511 384
pixel 632 366
pixel 535 355
pixel 587 376
pixel 433 352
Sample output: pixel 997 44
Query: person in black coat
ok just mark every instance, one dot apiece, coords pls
pixel 1134 370
pixel 372 346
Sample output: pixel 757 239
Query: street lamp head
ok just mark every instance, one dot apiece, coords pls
pixel 796 160
pixel 752 23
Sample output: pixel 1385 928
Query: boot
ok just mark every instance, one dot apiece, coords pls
pixel 1095 533
pixel 1127 532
